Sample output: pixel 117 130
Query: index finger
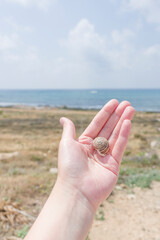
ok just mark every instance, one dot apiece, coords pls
pixel 100 119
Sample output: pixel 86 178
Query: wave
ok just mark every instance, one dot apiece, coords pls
pixel 93 92
pixel 83 107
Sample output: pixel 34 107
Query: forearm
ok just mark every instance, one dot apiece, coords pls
pixel 67 215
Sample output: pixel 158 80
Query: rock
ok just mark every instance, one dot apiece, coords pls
pixel 153 144
pixel 147 154
pixel 4 156
pixel 131 196
pixel 53 170
pixel 124 186
pixel 118 187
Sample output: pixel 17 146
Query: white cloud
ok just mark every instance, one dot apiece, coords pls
pixel 43 4
pixel 13 49
pixel 16 27
pixel 153 50
pixel 152 54
pixel 149 8
pixel 88 59
pixel 121 49
pixel 83 40
pixel 13 46
pixel 121 37
pixel 85 45
pixel 19 60
pixel 8 42
pixel 94 58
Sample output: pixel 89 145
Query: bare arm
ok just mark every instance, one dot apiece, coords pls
pixel 85 179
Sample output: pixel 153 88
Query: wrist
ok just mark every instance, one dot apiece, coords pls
pixel 65 189
pixel 67 214
pixel 78 212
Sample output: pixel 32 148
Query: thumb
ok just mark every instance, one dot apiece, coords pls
pixel 68 128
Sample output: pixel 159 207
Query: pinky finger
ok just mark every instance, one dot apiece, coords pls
pixel 122 140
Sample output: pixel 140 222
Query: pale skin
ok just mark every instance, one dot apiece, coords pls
pixel 85 179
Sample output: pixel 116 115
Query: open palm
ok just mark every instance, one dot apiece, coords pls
pixel 80 166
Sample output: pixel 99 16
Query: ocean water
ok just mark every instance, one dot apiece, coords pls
pixel 142 100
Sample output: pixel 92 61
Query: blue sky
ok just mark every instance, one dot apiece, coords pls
pixel 79 44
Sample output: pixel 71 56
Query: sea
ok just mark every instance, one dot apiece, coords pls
pixel 147 100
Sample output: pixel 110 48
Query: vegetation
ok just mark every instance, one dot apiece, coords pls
pixel 35 134
pixel 142 161
pixel 23 231
pixel 100 215
pixel 138 176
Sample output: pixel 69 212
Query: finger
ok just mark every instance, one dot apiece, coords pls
pixel 122 140
pixel 68 128
pixel 113 120
pixel 127 114
pixel 100 119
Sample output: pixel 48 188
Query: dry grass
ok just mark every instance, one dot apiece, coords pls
pixel 35 134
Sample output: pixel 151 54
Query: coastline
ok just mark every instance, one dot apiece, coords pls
pixel 63 107
pixel 145 100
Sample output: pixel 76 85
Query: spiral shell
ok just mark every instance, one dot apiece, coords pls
pixel 101 145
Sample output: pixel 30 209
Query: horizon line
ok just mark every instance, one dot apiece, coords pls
pixel 50 89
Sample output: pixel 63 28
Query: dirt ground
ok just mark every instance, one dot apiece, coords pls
pixel 29 141
pixel 130 215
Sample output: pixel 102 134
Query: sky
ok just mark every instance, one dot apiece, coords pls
pixel 52 44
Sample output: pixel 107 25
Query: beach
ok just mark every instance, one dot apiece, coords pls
pixel 29 139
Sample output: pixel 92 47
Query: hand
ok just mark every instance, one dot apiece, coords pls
pixel 80 166
pixel 85 179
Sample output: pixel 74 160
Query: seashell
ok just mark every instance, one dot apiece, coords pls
pixel 101 145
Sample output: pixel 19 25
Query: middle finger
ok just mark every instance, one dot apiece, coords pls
pixel 113 120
